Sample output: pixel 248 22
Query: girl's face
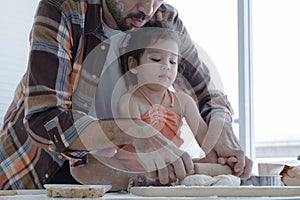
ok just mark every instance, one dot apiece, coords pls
pixel 158 64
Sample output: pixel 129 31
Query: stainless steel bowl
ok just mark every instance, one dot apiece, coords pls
pixel 271 180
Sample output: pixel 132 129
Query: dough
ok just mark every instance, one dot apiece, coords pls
pixel 229 180
pixel 198 180
pixel 205 180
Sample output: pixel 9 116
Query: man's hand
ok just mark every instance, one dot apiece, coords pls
pixel 230 152
pixel 221 146
pixel 241 169
pixel 157 154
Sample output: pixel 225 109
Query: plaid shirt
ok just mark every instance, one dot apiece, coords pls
pixel 51 102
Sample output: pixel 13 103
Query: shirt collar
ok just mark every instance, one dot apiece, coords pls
pixel 93 16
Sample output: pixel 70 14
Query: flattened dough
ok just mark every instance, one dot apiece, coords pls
pixel 198 180
pixel 228 180
pixel 205 180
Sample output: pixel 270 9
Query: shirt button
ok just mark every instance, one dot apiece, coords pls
pixel 103 47
pixel 46 176
pixel 60 157
pixel 94 76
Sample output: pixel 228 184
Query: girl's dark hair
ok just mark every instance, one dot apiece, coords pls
pixel 138 40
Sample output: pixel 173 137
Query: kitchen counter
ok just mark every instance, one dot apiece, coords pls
pixel 41 194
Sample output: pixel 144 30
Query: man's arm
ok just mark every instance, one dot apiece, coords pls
pixel 154 151
pixel 51 76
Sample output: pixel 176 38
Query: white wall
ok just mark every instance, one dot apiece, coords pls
pixel 15 21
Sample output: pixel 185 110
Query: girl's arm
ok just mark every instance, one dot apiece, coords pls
pixel 192 116
pixel 206 137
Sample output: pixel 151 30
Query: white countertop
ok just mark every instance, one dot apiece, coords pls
pixel 41 194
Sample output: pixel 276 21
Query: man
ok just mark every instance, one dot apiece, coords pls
pixel 50 118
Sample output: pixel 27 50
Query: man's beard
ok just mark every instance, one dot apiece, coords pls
pixel 116 9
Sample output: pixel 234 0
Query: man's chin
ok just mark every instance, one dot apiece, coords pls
pixel 133 28
pixel 127 28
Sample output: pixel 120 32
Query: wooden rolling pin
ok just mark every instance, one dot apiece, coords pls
pixel 211 169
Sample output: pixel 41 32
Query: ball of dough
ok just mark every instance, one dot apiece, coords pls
pixel 197 180
pixel 228 180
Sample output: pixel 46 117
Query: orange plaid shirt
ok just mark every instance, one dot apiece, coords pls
pixel 51 103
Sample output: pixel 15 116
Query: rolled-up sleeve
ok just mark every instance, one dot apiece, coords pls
pixel 52 72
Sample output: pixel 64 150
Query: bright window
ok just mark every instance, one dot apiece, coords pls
pixel 276 48
pixel 276 45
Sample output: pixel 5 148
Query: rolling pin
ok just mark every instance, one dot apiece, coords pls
pixel 211 169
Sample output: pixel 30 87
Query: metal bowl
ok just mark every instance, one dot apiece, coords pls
pixel 272 180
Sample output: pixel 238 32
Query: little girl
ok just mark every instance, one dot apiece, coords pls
pixel 152 59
